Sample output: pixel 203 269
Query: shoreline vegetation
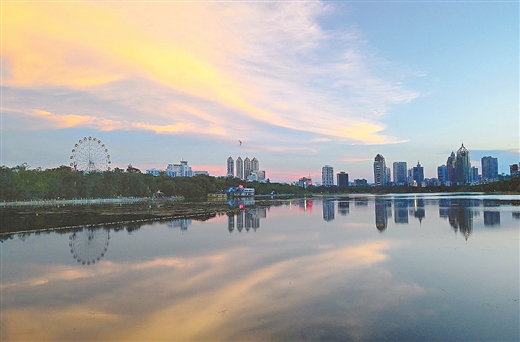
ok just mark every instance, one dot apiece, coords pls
pixel 33 201
pixel 22 184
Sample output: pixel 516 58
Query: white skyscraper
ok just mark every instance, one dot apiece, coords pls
pixel 247 167
pixel 327 175
pixel 230 167
pixel 240 168
pixel 379 170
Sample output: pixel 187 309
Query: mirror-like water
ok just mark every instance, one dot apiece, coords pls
pixel 357 268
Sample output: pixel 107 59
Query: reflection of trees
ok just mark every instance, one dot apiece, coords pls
pixel 343 208
pixel 383 209
pixel 328 210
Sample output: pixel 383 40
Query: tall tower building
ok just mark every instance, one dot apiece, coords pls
pixel 451 168
pixel 240 168
pixel 379 170
pixel 418 174
pixel 327 175
pixel 255 165
pixel 400 173
pixel 342 179
pixel 463 166
pixel 247 167
pixel 489 168
pixel 230 167
pixel 442 174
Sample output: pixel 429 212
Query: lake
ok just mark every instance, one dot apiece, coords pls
pixel 394 267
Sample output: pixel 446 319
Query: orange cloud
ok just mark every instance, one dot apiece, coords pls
pixel 221 57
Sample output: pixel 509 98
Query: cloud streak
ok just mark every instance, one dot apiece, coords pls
pixel 191 68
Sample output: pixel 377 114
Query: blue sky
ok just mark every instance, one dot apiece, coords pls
pixel 301 84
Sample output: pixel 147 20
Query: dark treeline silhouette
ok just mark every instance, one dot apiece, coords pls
pixel 21 183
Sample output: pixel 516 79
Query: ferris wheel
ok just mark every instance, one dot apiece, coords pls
pixel 89 245
pixel 90 155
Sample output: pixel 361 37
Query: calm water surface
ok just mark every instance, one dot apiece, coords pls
pixel 358 268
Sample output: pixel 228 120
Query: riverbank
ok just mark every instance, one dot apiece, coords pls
pixel 87 201
pixel 29 219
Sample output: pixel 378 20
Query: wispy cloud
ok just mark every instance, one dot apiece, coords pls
pixel 213 68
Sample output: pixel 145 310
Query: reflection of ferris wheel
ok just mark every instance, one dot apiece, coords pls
pixel 89 245
pixel 90 155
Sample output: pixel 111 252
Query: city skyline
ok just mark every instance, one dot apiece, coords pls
pixel 299 85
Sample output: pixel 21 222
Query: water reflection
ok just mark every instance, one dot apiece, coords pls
pixel 383 210
pixel 401 211
pixel 343 208
pixel 182 224
pixel 290 281
pixel 328 210
pixel 89 245
pixel 491 217
pixel 248 219
pixel 305 205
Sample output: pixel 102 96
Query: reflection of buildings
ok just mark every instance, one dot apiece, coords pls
pixel 360 202
pixel 401 211
pixel 305 205
pixel 516 215
pixel 459 215
pixel 231 222
pixel 383 210
pixel 491 217
pixel 182 223
pixel 248 219
pixel 343 208
pixel 328 210
pixel 418 209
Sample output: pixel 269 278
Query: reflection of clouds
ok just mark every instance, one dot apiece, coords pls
pixel 217 296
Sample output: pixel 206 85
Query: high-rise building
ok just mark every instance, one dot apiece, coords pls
pixel 327 175
pixel 342 179
pixel 474 174
pixel 230 167
pixel 388 176
pixel 379 170
pixel 400 173
pixel 463 166
pixel 247 167
pixel 442 174
pixel 513 169
pixel 451 168
pixel 418 174
pixel 179 170
pixel 255 165
pixel 489 168
pixel 240 168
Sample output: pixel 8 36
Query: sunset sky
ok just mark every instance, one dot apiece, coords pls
pixel 301 84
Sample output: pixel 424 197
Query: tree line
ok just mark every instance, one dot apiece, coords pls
pixel 21 183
